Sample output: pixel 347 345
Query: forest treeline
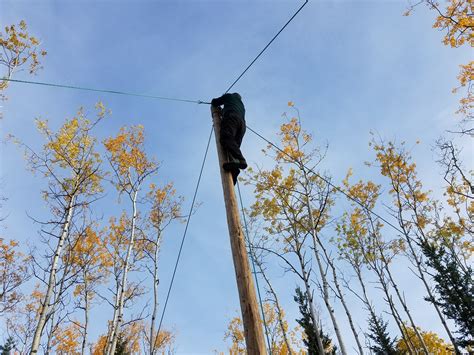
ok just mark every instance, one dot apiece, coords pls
pixel 327 237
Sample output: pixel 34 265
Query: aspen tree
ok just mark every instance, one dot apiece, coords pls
pixel 454 222
pixel 131 168
pixel 412 207
pixel 375 251
pixel 455 19
pixel 434 343
pixel 258 254
pixel 330 262
pixel 427 228
pixel 67 339
pixel 348 230
pixel 279 346
pixel 22 323
pixel 129 337
pixel 72 166
pixel 301 198
pixel 89 259
pixel 341 296
pixel 165 208
pixel 117 236
pixel 19 49
pixel 59 309
pixel 70 278
pixel 14 272
pixel 279 207
pixel 317 197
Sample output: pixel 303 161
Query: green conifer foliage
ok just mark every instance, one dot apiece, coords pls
pixel 307 324
pixel 382 344
pixel 454 286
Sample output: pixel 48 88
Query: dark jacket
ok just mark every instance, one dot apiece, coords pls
pixel 232 103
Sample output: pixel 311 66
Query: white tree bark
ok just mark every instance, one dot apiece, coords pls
pixel 421 276
pixel 322 273
pixel 403 303
pixel 123 286
pixel 341 297
pixel 309 296
pixel 418 262
pixel 86 316
pixel 45 307
pixel 112 324
pixel 346 310
pixel 275 298
pixel 156 281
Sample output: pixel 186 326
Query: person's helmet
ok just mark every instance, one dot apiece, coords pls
pixel 238 95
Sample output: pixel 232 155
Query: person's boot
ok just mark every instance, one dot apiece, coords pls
pixel 231 166
pixel 232 163
pixel 235 173
pixel 242 164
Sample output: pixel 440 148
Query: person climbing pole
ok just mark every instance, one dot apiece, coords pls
pixel 232 131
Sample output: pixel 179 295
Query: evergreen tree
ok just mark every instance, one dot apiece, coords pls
pixel 8 347
pixel 329 347
pixel 310 330
pixel 382 343
pixel 121 348
pixel 455 287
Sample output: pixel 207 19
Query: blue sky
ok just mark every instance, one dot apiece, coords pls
pixel 349 66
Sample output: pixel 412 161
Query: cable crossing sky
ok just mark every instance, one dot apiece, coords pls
pixel 268 45
pixel 105 91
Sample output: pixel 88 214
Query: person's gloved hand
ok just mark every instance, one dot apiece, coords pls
pixel 213 102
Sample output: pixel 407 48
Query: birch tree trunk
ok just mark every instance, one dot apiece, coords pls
pixel 421 276
pixel 394 312
pixel 50 335
pixel 156 281
pixel 123 286
pixel 45 307
pixel 275 298
pixel 417 260
pixel 309 295
pixel 403 303
pixel 385 269
pixel 341 297
pixel 322 273
pixel 86 315
pixel 111 331
pixel 371 309
pixel 328 303
pixel 365 299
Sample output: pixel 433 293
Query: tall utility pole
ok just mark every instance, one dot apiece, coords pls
pixel 248 301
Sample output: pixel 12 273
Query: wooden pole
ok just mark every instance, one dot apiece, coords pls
pixel 248 301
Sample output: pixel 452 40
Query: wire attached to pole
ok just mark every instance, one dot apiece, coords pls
pixel 199 102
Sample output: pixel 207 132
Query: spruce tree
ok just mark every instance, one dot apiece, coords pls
pixel 8 347
pixel 381 344
pixel 121 348
pixel 310 330
pixel 454 286
pixel 329 347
